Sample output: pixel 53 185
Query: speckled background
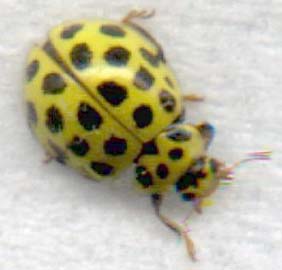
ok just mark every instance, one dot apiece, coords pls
pixel 51 218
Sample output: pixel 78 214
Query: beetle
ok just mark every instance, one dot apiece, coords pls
pixel 100 96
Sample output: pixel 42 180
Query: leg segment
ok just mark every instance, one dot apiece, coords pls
pixel 157 201
pixel 138 13
pixel 193 98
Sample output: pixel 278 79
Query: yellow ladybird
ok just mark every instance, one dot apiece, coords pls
pixel 101 96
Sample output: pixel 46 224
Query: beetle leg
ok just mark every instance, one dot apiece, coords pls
pixel 138 13
pixel 197 205
pixel 193 98
pixel 157 201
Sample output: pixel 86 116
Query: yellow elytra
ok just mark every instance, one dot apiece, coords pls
pixel 104 68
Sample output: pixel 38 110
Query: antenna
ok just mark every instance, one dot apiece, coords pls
pixel 253 156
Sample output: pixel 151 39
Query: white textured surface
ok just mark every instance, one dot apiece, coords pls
pixel 228 50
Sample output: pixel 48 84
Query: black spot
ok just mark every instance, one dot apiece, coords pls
pixel 88 117
pixel 79 146
pixel 151 39
pixel 117 56
pixel 150 57
pixel 188 196
pixel 32 69
pixel 115 146
pixel 162 171
pixel 53 83
pixel 31 113
pixel 179 135
pixel 143 79
pixel 102 168
pixel 143 116
pixel 54 120
pixel 60 154
pixel 143 176
pixel 192 175
pixel 148 148
pixel 167 101
pixel 112 92
pixel 175 154
pixel 112 30
pixel 70 31
pixel 169 82
pixel 81 56
pixel 187 180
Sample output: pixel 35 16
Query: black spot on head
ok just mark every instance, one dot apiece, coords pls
pixel 81 56
pixel 53 83
pixel 143 116
pixel 60 154
pixel 143 176
pixel 169 82
pixel 112 92
pixel 70 31
pixel 31 114
pixel 150 57
pixel 179 135
pixel 186 180
pixel 112 30
pixel 192 175
pixel 102 168
pixel 88 117
pixel 115 146
pixel 188 196
pixel 162 171
pixel 79 146
pixel 117 56
pixel 143 79
pixel 167 101
pixel 54 120
pixel 32 69
pixel 175 154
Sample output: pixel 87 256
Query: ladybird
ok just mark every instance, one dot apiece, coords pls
pixel 101 96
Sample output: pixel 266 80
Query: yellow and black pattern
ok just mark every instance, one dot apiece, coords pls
pixel 167 158
pixel 123 69
pixel 70 124
pixel 97 92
